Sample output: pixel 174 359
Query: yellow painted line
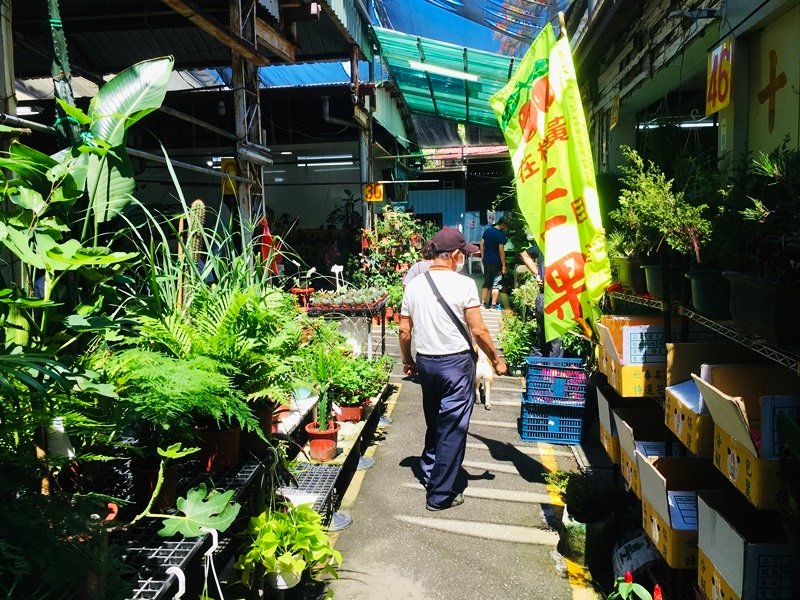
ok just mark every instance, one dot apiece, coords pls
pixel 579 578
pixel 358 477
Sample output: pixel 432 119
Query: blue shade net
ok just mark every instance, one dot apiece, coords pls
pixel 501 26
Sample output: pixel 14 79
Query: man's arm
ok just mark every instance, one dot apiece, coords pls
pixel 502 249
pixel 405 345
pixel 481 246
pixel 483 338
pixel 531 264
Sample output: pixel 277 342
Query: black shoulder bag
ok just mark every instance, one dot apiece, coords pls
pixel 452 315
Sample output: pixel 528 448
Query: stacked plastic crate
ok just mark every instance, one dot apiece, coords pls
pixel 553 401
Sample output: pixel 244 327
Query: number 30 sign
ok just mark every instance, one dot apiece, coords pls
pixel 718 77
pixel 373 192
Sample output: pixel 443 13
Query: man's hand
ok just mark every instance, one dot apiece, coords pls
pixel 409 368
pixel 500 367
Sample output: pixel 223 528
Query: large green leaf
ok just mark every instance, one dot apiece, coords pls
pixel 201 509
pixel 128 97
pixel 31 166
pixel 110 183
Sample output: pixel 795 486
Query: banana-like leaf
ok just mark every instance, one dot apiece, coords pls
pixel 132 94
pixel 110 183
pixel 31 166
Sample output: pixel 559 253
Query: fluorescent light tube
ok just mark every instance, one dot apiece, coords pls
pixel 419 66
pixel 326 164
pixel 324 157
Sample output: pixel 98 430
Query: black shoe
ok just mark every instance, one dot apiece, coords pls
pixel 457 501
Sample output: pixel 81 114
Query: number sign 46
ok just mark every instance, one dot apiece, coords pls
pixel 718 80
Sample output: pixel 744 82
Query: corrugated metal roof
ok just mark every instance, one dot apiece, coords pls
pixel 105 37
pixel 444 80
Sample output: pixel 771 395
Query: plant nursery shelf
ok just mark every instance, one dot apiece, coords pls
pixel 347 310
pixel 786 358
pixel 649 302
pixel 151 555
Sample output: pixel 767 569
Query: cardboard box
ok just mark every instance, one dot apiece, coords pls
pixel 640 339
pixel 687 417
pixel 669 503
pixel 607 400
pixel 685 412
pixel 742 552
pixel 643 424
pixel 629 380
pixel 733 394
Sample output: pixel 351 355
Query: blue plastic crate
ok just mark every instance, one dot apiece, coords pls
pixel 551 423
pixel 555 381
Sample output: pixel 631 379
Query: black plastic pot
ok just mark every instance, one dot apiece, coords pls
pixel 711 294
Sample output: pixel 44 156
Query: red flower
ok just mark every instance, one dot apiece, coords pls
pixel 628 577
pixel 657 593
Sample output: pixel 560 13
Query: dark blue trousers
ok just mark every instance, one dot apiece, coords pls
pixel 448 389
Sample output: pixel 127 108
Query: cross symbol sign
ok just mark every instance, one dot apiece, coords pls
pixel 771 90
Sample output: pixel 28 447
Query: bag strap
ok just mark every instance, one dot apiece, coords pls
pixel 451 314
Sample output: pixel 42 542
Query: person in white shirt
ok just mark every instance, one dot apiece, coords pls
pixel 444 360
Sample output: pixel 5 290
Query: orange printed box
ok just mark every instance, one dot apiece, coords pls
pixel 669 503
pixel 742 552
pixel 743 401
pixel 635 380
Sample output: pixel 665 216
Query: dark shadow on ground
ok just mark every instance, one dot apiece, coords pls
pixel 529 469
pixel 412 462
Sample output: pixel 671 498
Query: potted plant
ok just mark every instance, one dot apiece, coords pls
pixel 358 380
pixel 651 213
pixel 323 366
pixel 763 298
pixel 163 399
pixel 284 543
pixel 587 522
pixel 516 337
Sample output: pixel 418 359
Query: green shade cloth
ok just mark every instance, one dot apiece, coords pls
pixel 439 95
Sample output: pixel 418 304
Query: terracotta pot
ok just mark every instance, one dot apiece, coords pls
pixel 389 312
pixel 352 414
pixel 219 450
pixel 145 475
pixel 323 450
pixel 323 443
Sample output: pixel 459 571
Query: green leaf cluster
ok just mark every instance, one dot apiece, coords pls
pixel 358 379
pixel 651 212
pixel 291 538
pixel 201 509
pixel 161 398
pixel 517 337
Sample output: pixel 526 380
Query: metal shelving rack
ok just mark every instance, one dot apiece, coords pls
pixel 786 358
pixel 649 302
pixel 782 356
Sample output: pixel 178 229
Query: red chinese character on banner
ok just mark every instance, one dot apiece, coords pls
pixel 566 278
pixel 579 209
pixel 556 132
pixel 527 169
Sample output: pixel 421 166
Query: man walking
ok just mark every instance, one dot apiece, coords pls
pixel 493 253
pixel 440 307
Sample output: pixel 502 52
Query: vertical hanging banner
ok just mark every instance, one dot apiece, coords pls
pixel 541 115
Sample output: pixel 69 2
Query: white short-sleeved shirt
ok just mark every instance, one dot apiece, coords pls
pixel 434 331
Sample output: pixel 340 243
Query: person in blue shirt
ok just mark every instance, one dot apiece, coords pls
pixel 493 255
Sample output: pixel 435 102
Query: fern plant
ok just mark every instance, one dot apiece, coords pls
pixel 161 398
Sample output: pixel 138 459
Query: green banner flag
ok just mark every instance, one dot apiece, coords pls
pixel 541 115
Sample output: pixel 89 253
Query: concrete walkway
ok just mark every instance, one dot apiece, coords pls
pixel 497 545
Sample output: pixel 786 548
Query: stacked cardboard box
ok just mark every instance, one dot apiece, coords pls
pixel 744 401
